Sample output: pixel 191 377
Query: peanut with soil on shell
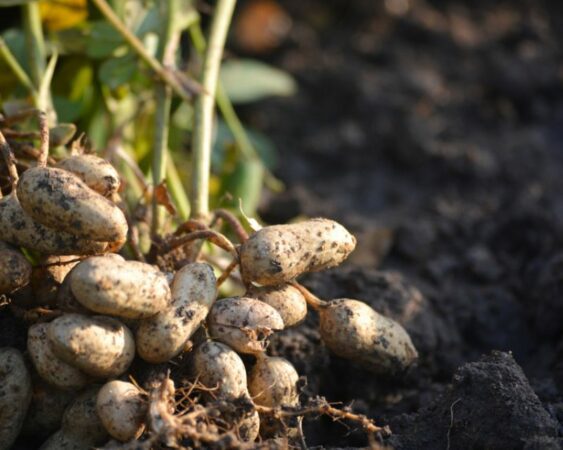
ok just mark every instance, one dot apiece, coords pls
pixel 243 323
pixel 18 228
pixel 122 409
pixel 15 269
pixel 285 299
pixel 279 253
pixel 98 174
pixel 128 289
pixel 15 395
pixel 164 336
pixel 352 329
pixel 49 367
pixel 60 200
pixel 97 345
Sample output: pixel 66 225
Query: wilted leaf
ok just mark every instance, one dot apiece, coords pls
pixel 247 80
pixel 60 14
pixel 163 198
pixel 115 72
pixel 244 184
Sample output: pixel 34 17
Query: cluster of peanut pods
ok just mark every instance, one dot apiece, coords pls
pixel 110 311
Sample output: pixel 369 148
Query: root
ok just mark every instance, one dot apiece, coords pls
pixel 234 223
pixel 214 237
pixel 43 139
pixel 10 160
pixel 178 419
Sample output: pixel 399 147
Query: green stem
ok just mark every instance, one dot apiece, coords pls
pixel 177 191
pixel 17 69
pixel 204 108
pixel 134 42
pixel 35 43
pixel 231 118
pixel 166 48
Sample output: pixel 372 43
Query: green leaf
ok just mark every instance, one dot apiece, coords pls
pixel 248 80
pixel 116 72
pixel 15 40
pixel 4 3
pixel 244 185
pixel 103 40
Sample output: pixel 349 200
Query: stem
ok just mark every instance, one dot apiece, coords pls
pixel 165 53
pixel 214 237
pixel 134 42
pixel 35 43
pixel 17 69
pixel 43 139
pixel 231 118
pixel 312 300
pixel 177 190
pixel 203 124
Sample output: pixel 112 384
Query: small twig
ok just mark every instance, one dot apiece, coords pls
pixel 212 236
pixel 319 405
pixel 234 223
pixel 451 422
pixel 227 272
pixel 10 161
pixel 312 300
pixel 134 42
pixel 189 226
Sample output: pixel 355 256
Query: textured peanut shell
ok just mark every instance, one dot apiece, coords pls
pixel 15 269
pixel 122 408
pixel 353 330
pixel 18 228
pixel 129 289
pixel 45 413
pixel 99 346
pixel 60 200
pixel 243 323
pixel 285 299
pixel 249 427
pixel 47 278
pixel 165 335
pixel 49 367
pixel 66 301
pixel 273 382
pixel 98 174
pixel 81 418
pixel 15 395
pixel 64 441
pixel 216 365
pixel 279 253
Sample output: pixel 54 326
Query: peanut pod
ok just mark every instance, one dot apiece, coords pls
pixel 243 323
pixel 60 200
pixel 165 335
pixel 279 253
pixel 285 299
pixel 353 330
pixel 99 346
pixel 98 174
pixel 15 269
pixel 128 289
pixel 15 395
pixel 18 228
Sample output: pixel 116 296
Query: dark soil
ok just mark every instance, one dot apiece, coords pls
pixel 436 136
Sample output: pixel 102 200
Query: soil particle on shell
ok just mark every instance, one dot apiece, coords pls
pixel 489 405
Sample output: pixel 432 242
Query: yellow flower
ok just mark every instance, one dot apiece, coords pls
pixel 60 14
